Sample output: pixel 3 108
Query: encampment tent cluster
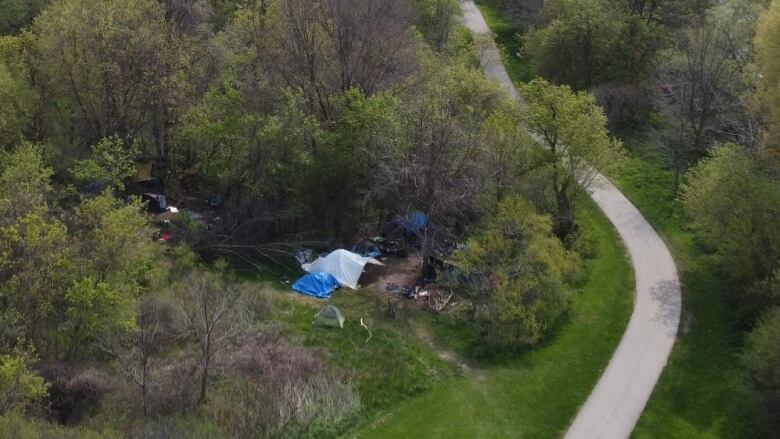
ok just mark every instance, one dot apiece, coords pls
pixel 340 267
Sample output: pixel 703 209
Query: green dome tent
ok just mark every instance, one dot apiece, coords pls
pixel 329 316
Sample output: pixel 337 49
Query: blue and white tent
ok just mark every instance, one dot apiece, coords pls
pixel 344 265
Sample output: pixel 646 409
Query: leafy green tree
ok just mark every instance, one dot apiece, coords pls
pixel 36 265
pixel 734 209
pixel 111 163
pixel 20 386
pixel 572 130
pixel 24 183
pixel 112 67
pixel 590 42
pixel 508 155
pixel 76 273
pixel 518 268
pixel 114 240
pixel 94 309
pixel 761 359
pixel 12 93
pixel 344 165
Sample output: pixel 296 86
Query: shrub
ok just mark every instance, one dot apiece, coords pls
pixel 75 392
pixel 277 390
pixel 517 267
pixel 20 387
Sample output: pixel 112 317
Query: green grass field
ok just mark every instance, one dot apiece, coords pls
pixel 534 394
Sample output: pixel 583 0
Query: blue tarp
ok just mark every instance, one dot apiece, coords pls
pixel 413 223
pixel 318 285
pixel 368 249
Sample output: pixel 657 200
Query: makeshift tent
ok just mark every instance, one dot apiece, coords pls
pixel 413 224
pixel 367 248
pixel 318 285
pixel 344 265
pixel 329 316
pixel 156 202
pixel 143 171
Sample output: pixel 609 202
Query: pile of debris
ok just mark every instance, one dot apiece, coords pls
pixel 432 297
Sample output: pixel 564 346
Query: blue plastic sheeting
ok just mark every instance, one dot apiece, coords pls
pixel 318 285
pixel 367 249
pixel 413 223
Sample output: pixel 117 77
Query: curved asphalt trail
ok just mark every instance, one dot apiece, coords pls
pixel 617 401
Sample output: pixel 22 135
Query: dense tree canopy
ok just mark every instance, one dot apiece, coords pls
pixel 591 42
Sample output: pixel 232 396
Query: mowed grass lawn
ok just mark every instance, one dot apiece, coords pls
pixel 535 394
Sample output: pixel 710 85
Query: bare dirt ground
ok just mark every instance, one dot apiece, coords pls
pixel 400 271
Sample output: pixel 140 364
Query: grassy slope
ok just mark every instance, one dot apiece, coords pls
pixel 698 394
pixel 536 394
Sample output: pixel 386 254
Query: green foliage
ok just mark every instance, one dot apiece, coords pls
pixel 111 163
pixel 75 273
pixel 591 42
pixel 767 48
pixel 14 425
pixel 734 210
pixel 508 155
pixel 522 268
pixel 437 19
pixel 94 310
pixel 12 95
pixel 572 130
pixel 20 386
pixel 115 240
pixel 111 67
pixel 761 359
pixel 24 183
pixel 16 14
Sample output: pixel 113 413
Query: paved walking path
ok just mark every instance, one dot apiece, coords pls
pixel 620 395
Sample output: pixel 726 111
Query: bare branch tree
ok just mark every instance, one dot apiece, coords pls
pixel 135 351
pixel 206 307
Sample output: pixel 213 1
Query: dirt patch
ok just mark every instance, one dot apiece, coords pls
pixel 403 272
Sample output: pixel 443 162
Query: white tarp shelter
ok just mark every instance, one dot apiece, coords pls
pixel 344 265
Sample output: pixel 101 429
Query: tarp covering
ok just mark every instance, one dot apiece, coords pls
pixel 318 285
pixel 368 249
pixel 413 223
pixel 344 265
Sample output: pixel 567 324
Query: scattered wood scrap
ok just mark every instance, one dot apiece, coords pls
pixel 436 300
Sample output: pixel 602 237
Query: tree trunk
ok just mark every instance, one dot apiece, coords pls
pixel 564 218
pixel 204 378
